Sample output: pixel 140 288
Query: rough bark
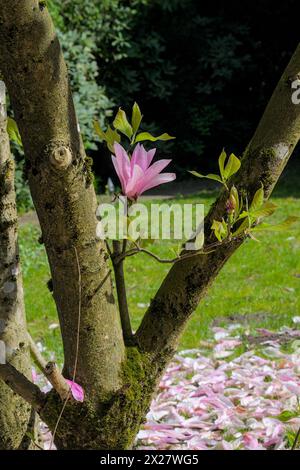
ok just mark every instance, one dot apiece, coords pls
pixel 15 412
pixel 61 185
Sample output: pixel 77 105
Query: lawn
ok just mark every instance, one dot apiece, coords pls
pixel 261 282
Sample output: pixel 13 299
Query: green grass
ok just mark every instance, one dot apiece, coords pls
pixel 260 278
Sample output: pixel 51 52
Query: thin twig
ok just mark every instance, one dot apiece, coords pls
pixel 58 421
pixel 36 355
pixel 182 257
pixel 57 380
pixel 108 248
pixel 296 440
pixel 50 370
pixel 124 245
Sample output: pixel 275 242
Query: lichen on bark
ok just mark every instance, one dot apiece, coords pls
pixel 16 418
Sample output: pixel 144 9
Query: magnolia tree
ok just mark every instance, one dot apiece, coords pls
pixel 101 397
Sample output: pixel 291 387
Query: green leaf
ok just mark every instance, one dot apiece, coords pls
pixel 111 136
pixel 233 165
pixel 147 136
pixel 253 237
pixel 136 117
pixel 220 229
pixel 286 415
pixel 100 133
pixel 265 211
pixel 244 227
pixel 210 176
pixel 121 124
pixel 225 228
pixel 13 131
pixel 234 196
pixel 222 159
pixel 244 214
pixel 285 225
pixel 216 227
pixel 258 200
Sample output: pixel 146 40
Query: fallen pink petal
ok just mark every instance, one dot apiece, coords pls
pixel 76 390
pixel 226 404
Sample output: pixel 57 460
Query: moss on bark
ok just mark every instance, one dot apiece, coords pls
pixel 114 423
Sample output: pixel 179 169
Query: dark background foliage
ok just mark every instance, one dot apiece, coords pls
pixel 202 71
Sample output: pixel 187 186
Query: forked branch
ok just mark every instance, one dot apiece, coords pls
pixel 22 386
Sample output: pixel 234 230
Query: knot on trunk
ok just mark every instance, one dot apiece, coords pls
pixel 61 157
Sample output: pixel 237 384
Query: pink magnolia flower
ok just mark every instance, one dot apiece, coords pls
pixel 137 175
pixel 76 390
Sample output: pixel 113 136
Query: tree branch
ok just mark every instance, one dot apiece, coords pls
pixel 36 355
pixel 57 381
pixel 121 291
pixel 188 281
pixel 22 386
pixel 50 371
pixel 184 255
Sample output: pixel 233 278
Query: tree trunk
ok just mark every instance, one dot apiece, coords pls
pixel 16 416
pixel 60 180
pixel 119 384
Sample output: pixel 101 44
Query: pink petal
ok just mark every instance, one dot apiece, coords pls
pixel 76 390
pixel 148 183
pixel 157 181
pixel 141 157
pixel 123 162
pixel 251 442
pixel 136 175
pixel 150 174
pixel 119 173
pixel 156 168
pixel 131 189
